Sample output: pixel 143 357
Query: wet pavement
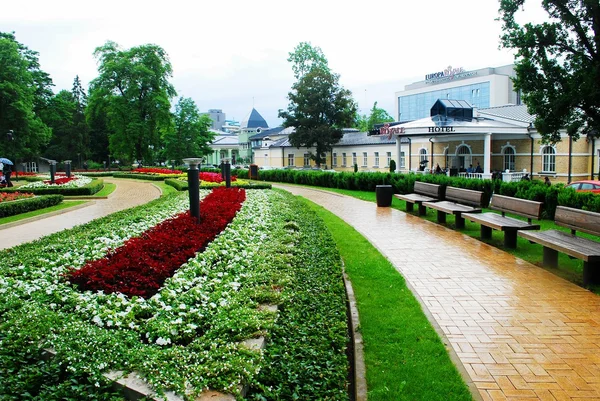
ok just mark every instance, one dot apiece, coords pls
pixel 518 332
pixel 128 194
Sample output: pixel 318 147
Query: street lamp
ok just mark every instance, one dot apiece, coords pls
pixel 194 185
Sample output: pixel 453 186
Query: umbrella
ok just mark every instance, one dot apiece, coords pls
pixel 4 160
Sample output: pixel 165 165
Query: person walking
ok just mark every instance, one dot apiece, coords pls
pixel 7 171
pixel 547 181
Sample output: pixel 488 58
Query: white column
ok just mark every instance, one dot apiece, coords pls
pixel 487 156
pixel 398 152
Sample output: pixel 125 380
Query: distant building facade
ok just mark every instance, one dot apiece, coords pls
pixel 218 118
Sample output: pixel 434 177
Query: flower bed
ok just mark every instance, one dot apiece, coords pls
pixel 161 171
pixel 142 264
pixel 8 197
pixel 187 335
pixel 75 181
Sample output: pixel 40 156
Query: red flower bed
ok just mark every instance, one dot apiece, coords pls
pixel 214 177
pixel 60 180
pixel 22 174
pixel 142 264
pixel 7 197
pixel 155 171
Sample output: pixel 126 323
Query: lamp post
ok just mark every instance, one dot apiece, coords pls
pixel 79 160
pixel 227 172
pixel 68 168
pixel 52 170
pixel 194 186
pixel 10 137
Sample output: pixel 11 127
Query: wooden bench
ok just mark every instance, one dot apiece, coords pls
pixel 458 201
pixel 532 210
pixel 423 192
pixel 555 241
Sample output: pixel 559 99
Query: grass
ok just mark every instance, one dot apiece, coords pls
pixel 405 358
pixel 165 189
pixel 61 206
pixel 569 269
pixel 108 189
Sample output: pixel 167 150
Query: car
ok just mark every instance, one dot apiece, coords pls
pixel 585 186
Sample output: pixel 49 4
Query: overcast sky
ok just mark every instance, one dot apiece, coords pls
pixel 231 54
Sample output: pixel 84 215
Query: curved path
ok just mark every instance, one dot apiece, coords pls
pixel 128 194
pixel 517 331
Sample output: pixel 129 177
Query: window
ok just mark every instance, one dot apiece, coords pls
pixel 344 160
pixel 290 159
pixel 422 154
pixel 549 159
pixel 334 160
pixel 306 160
pixel 402 160
pixel 354 160
pixel 376 159
pixel 509 159
pixel 364 159
pixel 389 159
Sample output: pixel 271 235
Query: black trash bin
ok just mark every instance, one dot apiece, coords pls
pixel 383 194
pixel 253 172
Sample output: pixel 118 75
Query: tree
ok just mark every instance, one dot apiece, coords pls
pixel 377 116
pixel 134 90
pixel 319 106
pixel 24 88
pixel 558 65
pixel 190 135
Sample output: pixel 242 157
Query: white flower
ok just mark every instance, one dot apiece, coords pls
pixel 163 341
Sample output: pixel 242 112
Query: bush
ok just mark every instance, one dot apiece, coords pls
pixel 29 204
pixel 89 189
pixel 177 184
pixel 392 166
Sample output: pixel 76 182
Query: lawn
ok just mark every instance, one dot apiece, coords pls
pixel 62 206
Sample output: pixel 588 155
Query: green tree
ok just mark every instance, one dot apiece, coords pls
pixel 24 90
pixel 189 135
pixel 376 116
pixel 557 65
pixel 59 116
pixel 133 88
pixel 319 106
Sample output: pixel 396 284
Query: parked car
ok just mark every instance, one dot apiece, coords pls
pixel 586 186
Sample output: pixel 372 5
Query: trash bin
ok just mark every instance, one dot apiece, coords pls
pixel 383 194
pixel 253 172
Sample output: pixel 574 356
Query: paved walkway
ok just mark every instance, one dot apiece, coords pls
pixel 128 194
pixel 520 332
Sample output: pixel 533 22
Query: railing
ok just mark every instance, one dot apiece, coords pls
pixel 478 176
pixel 512 177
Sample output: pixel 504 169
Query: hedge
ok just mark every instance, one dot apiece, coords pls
pixel 89 189
pixel 551 196
pixel 29 204
pixel 183 185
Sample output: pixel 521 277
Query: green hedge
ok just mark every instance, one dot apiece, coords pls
pixel 89 189
pixel 183 185
pixel 29 204
pixel 177 184
pixel 97 173
pixel 28 178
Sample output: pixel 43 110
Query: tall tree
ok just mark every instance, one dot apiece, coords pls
pixel 24 92
pixel 189 135
pixel 81 129
pixel 319 106
pixel 376 116
pixel 558 65
pixel 134 86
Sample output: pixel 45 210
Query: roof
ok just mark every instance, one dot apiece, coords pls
pixel 352 138
pixel 268 132
pixel 510 112
pixel 254 120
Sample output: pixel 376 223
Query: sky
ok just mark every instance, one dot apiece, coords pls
pixel 232 54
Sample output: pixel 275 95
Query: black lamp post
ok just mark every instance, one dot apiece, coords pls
pixel 194 186
pixel 52 170
pixel 10 137
pixel 68 168
pixel 227 172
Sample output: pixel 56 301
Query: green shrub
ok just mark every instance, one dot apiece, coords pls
pixel 148 177
pixel 392 166
pixel 29 204
pixel 177 184
pixel 89 189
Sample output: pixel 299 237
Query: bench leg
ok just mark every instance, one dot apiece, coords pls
pixel 422 210
pixel 410 206
pixel 550 257
pixel 441 217
pixel 486 232
pixel 459 221
pixel 510 239
pixel 591 273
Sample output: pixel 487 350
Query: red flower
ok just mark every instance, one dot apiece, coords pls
pixel 143 263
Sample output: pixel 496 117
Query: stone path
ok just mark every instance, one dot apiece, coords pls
pixel 518 331
pixel 128 194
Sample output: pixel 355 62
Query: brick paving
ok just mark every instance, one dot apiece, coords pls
pixel 519 332
pixel 128 194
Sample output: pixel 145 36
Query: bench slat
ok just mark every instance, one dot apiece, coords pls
pixel 497 222
pixel 465 196
pixel 521 207
pixel 450 207
pixel 579 220
pixel 578 247
pixel 431 190
pixel 415 198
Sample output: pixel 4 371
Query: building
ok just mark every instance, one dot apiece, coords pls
pixel 218 118
pixel 483 88
pixel 253 124
pixel 224 146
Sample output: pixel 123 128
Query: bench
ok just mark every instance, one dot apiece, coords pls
pixel 532 210
pixel 423 192
pixel 458 201
pixel 555 241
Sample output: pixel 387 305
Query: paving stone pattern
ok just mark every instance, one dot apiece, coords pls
pixel 128 194
pixel 520 332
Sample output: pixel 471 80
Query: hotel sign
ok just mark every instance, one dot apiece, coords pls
pixel 448 74
pixel 441 129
